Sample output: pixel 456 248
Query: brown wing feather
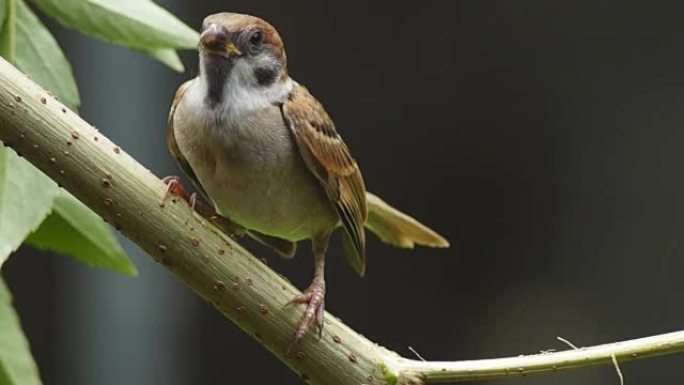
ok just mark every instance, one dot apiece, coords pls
pixel 330 160
pixel 283 247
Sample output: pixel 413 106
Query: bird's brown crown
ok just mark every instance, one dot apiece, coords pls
pixel 235 24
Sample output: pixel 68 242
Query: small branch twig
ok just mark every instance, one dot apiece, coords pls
pixel 438 372
pixel 243 289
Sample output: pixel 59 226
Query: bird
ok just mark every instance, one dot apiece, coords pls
pixel 267 156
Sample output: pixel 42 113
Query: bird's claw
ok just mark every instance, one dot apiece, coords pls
pixel 314 298
pixel 174 186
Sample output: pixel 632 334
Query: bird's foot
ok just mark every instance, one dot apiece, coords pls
pixel 314 298
pixel 174 186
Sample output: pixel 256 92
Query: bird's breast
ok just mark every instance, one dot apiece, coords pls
pixel 251 169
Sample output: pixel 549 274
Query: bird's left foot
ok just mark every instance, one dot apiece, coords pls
pixel 314 298
pixel 174 186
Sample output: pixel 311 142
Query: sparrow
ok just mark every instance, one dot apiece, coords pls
pixel 264 152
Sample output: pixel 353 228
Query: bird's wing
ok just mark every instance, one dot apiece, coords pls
pixel 329 159
pixel 281 246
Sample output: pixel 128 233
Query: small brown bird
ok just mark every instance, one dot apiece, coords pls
pixel 267 155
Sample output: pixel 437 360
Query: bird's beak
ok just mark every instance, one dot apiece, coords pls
pixel 215 41
pixel 232 49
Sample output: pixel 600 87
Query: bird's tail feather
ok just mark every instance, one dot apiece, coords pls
pixel 398 229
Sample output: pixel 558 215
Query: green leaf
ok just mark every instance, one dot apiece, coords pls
pixel 26 197
pixel 3 11
pixel 7 32
pixel 168 57
pixel 137 24
pixel 39 55
pixel 16 363
pixel 73 229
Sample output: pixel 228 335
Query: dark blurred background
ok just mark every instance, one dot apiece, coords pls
pixel 542 138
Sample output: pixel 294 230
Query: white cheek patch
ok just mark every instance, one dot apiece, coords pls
pixel 242 93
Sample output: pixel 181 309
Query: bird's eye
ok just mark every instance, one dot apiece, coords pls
pixel 256 38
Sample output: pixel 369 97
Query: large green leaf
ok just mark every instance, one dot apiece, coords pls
pixel 3 11
pixel 137 24
pixel 16 363
pixel 26 197
pixel 168 57
pixel 73 229
pixel 39 55
pixel 7 30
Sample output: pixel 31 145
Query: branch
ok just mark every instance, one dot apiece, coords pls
pixel 243 289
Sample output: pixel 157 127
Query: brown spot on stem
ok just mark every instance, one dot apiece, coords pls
pixel 107 183
pixel 43 100
pixel 117 150
pixel 249 281
pixel 337 339
pixel 236 286
pixel 108 201
pixel 352 357
pixel 219 285
pixel 195 241
pixel 300 355
pixel 69 142
pixel 64 110
pixel 263 309
pixel 17 98
pixel 241 309
pixel 221 251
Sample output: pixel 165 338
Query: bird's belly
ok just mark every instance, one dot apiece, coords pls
pixel 263 184
pixel 279 200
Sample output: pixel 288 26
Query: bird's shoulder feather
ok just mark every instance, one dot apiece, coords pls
pixel 329 159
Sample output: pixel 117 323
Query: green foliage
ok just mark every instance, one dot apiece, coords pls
pixel 16 363
pixel 73 229
pixel 26 197
pixel 3 11
pixel 39 56
pixel 33 209
pixel 137 24
pixel 7 42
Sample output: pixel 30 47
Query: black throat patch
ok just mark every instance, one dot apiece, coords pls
pixel 216 71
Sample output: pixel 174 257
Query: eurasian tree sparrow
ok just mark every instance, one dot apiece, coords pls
pixel 267 155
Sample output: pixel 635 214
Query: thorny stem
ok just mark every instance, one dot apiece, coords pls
pixel 239 286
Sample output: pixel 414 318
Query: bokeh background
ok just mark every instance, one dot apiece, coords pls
pixel 544 139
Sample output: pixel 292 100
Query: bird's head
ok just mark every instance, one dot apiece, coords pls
pixel 241 49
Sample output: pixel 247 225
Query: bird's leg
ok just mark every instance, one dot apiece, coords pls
pixel 314 295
